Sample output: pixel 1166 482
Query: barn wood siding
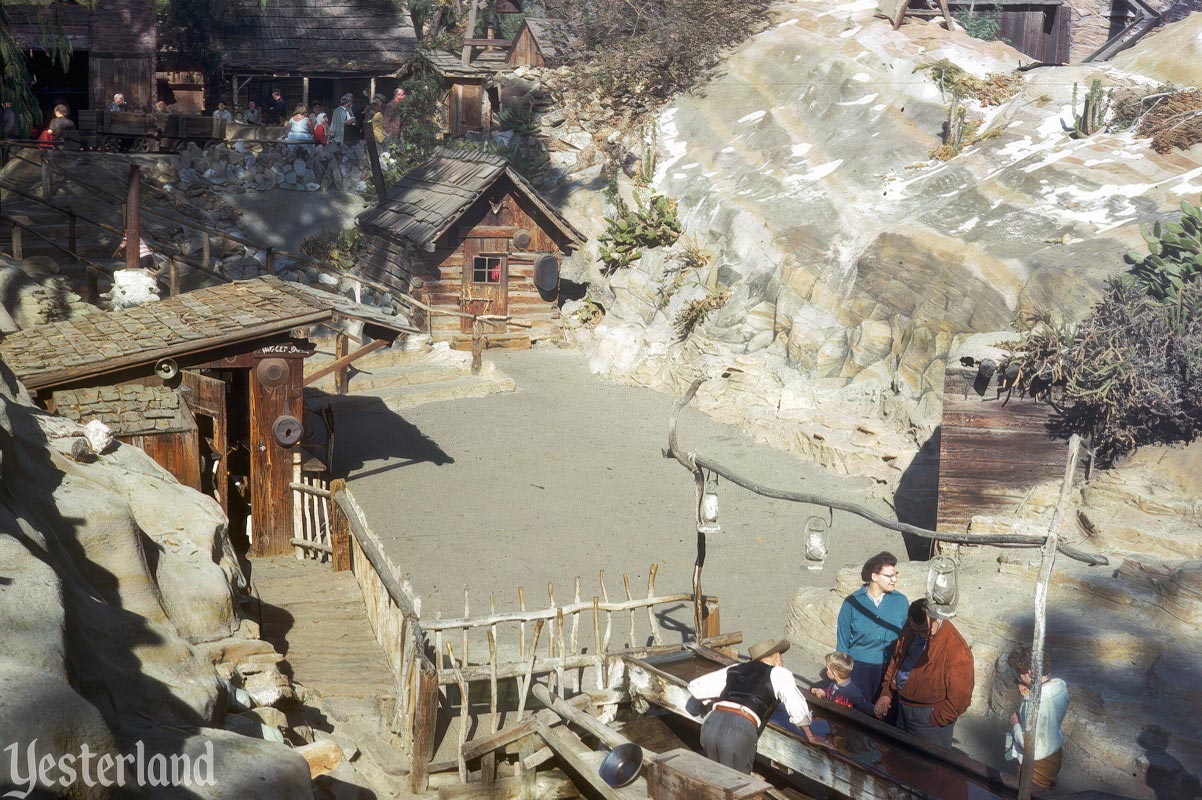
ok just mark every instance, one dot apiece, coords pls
pixel 271 464
pixel 525 50
pixel 991 452
pixel 177 452
pixel 133 77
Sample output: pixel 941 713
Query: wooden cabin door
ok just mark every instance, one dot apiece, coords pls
pixel 206 399
pixel 485 282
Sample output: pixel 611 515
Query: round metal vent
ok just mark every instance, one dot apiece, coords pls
pixel 286 430
pixel 546 273
pixel 522 238
pixel 272 371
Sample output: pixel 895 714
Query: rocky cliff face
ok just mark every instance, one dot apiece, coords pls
pixel 804 174
pixel 111 572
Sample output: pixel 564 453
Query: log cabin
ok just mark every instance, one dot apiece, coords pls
pixel 113 50
pixel 464 232
pixel 467 102
pixel 210 383
pixel 311 50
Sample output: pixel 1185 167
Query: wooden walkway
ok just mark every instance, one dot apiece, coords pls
pixel 315 617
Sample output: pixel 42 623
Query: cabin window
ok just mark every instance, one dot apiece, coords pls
pixel 487 269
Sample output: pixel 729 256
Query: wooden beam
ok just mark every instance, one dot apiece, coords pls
pixel 340 530
pixel 585 762
pixel 544 787
pixel 133 218
pixel 478 747
pixel 346 361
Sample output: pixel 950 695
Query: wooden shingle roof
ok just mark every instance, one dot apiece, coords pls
pixel 315 37
pixel 127 409
pixel 432 197
pixel 218 316
pixel 450 65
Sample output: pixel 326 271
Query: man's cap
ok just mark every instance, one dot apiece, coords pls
pixel 767 648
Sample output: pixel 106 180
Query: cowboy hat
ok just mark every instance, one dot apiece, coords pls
pixel 767 648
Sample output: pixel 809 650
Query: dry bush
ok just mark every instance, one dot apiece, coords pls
pixel 641 52
pixel 695 312
pixel 1174 122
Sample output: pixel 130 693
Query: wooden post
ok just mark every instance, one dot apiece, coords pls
pixel 269 261
pixel 373 155
pixel 298 512
pixel 466 55
pixel 464 711
pixel 340 530
pixel 477 345
pixel 71 238
pixel 342 346
pixel 711 621
pixel 206 249
pixel 172 276
pixel 371 90
pixel 425 723
pixel 1027 770
pixel 47 179
pixel 698 602
pixel 92 281
pixel 305 91
pixel 18 244
pixel 234 87
pixel 133 218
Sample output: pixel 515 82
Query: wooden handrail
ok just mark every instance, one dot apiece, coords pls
pixel 305 488
pixel 552 613
pixel 89 262
pixel 353 514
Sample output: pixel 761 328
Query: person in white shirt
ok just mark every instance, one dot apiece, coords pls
pixel 746 696
pixel 223 113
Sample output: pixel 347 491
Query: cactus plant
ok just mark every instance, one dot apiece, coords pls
pixel 1093 112
pixel 1174 255
pixel 651 223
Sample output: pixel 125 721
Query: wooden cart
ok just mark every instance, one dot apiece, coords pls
pixel 154 133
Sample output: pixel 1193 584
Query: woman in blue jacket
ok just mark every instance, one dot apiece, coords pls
pixel 870 622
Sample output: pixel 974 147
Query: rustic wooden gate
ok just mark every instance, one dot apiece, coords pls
pixel 485 282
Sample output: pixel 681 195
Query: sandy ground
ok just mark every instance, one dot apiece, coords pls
pixel 564 477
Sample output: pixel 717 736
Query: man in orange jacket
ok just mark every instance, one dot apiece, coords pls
pixel 932 674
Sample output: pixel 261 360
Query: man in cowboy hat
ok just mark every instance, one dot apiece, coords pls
pixel 745 697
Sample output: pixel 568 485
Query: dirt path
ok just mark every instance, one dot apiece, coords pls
pixel 564 477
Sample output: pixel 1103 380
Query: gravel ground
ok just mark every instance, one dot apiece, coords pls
pixel 564 477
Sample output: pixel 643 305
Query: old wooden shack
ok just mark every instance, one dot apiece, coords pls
pixel 464 232
pixel 210 383
pixel 113 50
pixel 537 40
pixel 466 100
pixel 1040 28
pixel 312 50
pixel 993 449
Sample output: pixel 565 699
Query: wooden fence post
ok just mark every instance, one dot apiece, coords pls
pixel 477 345
pixel 172 276
pixel 18 246
pixel 340 529
pixel 342 347
pixel 93 286
pixel 269 261
pixel 711 620
pixel 425 723
pixel 206 250
pixel 47 179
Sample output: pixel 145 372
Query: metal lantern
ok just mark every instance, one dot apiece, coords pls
pixel 814 548
pixel 707 506
pixel 942 589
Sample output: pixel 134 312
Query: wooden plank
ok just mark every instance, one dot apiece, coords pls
pixel 585 762
pixel 542 786
pixel 270 462
pixel 340 531
pixel 512 733
pixel 683 774
pixel 425 721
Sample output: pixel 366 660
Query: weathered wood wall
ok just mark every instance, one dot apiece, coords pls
pixel 525 50
pixel 270 463
pixel 991 452
pixel 177 452
pixel 124 40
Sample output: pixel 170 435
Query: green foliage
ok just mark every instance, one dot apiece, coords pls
pixel 651 223
pixel 985 24
pixel 518 118
pixel 1093 112
pixel 1174 256
pixel 1131 373
pixel 420 131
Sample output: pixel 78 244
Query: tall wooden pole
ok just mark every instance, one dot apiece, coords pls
pixel 133 217
pixel 1030 724
pixel 373 155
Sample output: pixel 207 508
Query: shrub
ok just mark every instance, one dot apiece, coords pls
pixel 1174 256
pixel 985 25
pixel 341 249
pixel 695 312
pixel 1131 373
pixel 1174 122
pixel 642 52
pixel 651 223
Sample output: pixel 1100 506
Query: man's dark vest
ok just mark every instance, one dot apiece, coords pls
pixel 750 685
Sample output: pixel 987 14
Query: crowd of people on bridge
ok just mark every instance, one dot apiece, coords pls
pixel 900 661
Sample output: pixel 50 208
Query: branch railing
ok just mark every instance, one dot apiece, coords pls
pixel 310 515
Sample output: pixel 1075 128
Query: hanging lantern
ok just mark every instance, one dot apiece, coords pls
pixel 707 506
pixel 942 589
pixel 814 548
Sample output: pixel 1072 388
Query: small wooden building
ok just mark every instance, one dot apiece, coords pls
pixel 464 232
pixel 537 40
pixel 210 383
pixel 311 50
pixel 465 92
pixel 113 50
